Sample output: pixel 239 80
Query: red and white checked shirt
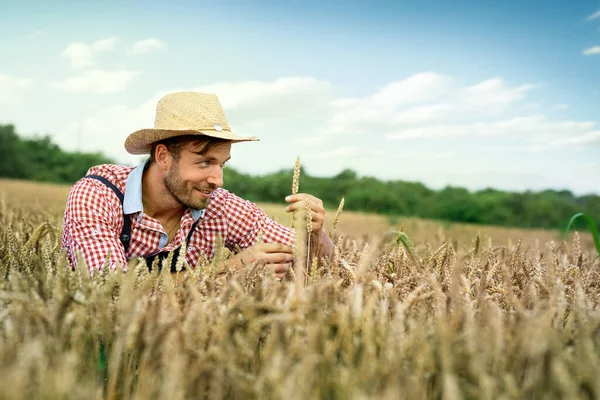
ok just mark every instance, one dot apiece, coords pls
pixel 93 222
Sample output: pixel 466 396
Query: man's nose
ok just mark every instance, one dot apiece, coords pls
pixel 216 176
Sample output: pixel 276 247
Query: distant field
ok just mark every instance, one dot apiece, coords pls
pixel 49 199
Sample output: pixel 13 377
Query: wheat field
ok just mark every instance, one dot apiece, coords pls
pixel 474 313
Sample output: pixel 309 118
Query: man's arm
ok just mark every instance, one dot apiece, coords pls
pixel 245 220
pixel 92 225
pixel 258 237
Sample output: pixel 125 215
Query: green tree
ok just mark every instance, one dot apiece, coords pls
pixel 40 159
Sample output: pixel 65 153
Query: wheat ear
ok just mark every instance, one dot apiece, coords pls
pixel 336 221
pixel 295 183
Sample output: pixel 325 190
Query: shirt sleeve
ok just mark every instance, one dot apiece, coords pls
pixel 92 225
pixel 244 222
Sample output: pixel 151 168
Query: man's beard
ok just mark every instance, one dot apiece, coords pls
pixel 180 191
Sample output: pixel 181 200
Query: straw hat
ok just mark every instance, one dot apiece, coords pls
pixel 184 113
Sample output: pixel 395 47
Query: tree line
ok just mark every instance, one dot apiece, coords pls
pixel 546 209
pixel 41 160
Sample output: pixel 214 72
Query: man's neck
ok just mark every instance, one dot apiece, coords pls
pixel 157 200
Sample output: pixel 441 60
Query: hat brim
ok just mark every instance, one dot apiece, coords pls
pixel 140 142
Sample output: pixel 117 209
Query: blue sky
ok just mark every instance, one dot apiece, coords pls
pixel 464 93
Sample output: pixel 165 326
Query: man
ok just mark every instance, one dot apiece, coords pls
pixel 116 213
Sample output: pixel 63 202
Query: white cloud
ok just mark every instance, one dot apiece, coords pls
pixel 494 93
pixel 419 87
pixel 275 111
pixel 81 55
pixel 591 51
pixel 353 115
pixel 308 141
pixel 98 81
pixel 337 152
pixel 13 89
pixel 595 15
pixel 587 139
pixel 234 95
pixel 105 129
pixel 147 45
pixel 489 109
pixel 402 110
pixel 416 101
pixel 453 127
pixel 444 155
pixel 255 106
pixel 532 129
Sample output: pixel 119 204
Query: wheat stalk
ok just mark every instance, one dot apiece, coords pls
pixel 309 230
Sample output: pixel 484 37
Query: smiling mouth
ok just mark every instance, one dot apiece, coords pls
pixel 205 192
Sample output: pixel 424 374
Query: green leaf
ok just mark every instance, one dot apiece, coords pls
pixel 401 237
pixel 591 225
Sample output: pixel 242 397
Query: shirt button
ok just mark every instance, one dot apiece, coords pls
pixel 191 247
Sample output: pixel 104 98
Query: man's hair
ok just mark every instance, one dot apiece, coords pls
pixel 175 144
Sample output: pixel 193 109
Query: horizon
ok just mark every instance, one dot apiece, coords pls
pixel 473 95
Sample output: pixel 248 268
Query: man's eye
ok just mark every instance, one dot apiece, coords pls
pixel 204 163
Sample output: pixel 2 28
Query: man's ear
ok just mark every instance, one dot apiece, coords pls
pixel 163 157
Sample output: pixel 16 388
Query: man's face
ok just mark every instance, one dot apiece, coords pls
pixel 193 177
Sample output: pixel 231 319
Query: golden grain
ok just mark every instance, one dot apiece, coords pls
pixel 466 321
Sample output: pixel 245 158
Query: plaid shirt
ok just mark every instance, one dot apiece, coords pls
pixel 93 222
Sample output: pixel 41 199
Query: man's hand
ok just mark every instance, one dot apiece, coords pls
pixel 322 244
pixel 298 202
pixel 278 257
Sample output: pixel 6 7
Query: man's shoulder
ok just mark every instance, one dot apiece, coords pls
pixel 89 193
pixel 116 174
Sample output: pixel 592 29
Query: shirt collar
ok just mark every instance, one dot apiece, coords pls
pixel 132 202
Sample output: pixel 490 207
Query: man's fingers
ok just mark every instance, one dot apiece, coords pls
pixel 278 258
pixel 315 206
pixel 293 198
pixel 301 205
pixel 317 209
pixel 318 218
pixel 318 214
pixel 280 276
pixel 281 268
pixel 274 248
pixel 297 206
pixel 302 197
